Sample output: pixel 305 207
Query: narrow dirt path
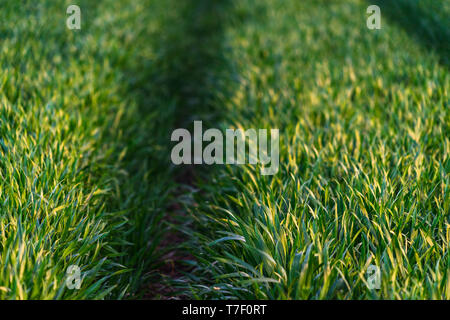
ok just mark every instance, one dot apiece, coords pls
pixel 188 67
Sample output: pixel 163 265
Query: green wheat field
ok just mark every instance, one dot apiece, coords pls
pixel 86 177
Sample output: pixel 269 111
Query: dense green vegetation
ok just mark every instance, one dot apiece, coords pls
pixel 365 164
pixel 84 178
pixel 85 171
